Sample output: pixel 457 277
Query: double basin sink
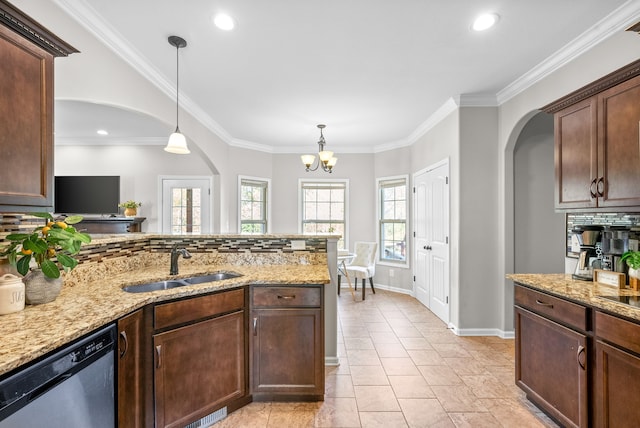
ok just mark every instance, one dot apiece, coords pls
pixel 175 283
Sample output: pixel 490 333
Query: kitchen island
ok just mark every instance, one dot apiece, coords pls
pixel 577 349
pixel 275 284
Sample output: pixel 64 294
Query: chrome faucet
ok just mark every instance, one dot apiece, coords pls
pixel 175 253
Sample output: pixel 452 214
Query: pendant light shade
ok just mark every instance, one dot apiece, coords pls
pixel 177 142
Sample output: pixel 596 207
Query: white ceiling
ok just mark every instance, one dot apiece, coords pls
pixel 374 71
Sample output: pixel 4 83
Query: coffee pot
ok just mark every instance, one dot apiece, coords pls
pixel 590 255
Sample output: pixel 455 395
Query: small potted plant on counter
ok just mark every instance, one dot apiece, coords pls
pixel 130 208
pixel 51 247
pixel 632 259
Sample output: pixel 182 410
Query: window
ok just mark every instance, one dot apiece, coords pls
pixel 393 209
pixel 323 206
pixel 253 205
pixel 185 210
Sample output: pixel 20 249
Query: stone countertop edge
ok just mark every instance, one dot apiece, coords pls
pixel 582 292
pixel 81 308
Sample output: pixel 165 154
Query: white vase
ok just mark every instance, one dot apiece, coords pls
pixel 39 289
pixel 634 273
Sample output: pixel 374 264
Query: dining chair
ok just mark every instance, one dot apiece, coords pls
pixel 363 264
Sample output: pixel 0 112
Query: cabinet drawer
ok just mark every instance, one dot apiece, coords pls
pixel 618 331
pixel 561 310
pixel 183 311
pixel 287 296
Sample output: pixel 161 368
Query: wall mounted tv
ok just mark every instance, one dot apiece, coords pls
pixel 87 194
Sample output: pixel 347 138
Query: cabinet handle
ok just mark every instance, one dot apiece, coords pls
pixel 255 326
pixel 125 343
pixel 600 187
pixel 581 355
pixel 159 355
pixel 541 303
pixel 287 297
pixel 592 188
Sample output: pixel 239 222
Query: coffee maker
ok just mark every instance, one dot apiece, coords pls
pixel 615 242
pixel 590 255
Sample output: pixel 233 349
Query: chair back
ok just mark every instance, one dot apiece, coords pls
pixel 365 254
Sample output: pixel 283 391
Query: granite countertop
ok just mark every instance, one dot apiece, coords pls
pixel 583 292
pixel 94 298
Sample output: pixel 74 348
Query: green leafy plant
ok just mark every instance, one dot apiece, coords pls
pixel 51 246
pixel 632 258
pixel 130 204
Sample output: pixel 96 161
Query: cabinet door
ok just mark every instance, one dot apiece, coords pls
pixel 26 121
pixel 552 366
pixel 617 387
pixel 619 139
pixel 131 370
pixel 576 164
pixel 288 353
pixel 198 368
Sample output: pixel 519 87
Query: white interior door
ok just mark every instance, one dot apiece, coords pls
pixel 186 205
pixel 432 239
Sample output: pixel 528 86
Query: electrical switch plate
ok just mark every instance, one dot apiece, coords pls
pixel 298 245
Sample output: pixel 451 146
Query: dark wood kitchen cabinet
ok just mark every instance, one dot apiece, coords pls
pixel 287 343
pixel 131 370
pixel 597 160
pixel 617 390
pixel 27 52
pixel 199 357
pixel 552 356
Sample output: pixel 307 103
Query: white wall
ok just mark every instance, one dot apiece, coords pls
pixel 540 236
pixel 138 168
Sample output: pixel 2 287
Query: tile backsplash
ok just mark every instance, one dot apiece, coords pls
pixel 626 220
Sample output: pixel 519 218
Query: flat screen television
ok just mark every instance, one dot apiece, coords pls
pixel 87 194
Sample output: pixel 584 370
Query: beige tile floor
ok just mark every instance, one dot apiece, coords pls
pixel 401 367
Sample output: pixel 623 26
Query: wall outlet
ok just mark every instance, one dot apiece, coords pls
pixel 298 245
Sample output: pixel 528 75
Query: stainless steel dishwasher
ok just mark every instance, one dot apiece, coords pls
pixel 73 387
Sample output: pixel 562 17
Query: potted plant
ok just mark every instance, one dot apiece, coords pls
pixel 130 208
pixel 632 258
pixel 51 247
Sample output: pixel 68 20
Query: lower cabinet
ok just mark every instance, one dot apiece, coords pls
pixel 618 371
pixel 199 364
pixel 552 355
pixel 131 370
pixel 287 343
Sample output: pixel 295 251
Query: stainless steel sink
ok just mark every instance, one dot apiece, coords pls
pixel 174 283
pixel 211 277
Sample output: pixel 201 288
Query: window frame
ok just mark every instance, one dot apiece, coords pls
pixel 267 207
pixel 345 182
pixel 380 184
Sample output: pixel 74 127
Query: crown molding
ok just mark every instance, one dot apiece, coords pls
pixel 623 17
pixel 110 141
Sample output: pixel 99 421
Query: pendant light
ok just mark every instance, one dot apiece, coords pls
pixel 325 157
pixel 177 142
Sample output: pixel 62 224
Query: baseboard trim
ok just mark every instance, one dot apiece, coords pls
pixel 482 332
pixel 331 361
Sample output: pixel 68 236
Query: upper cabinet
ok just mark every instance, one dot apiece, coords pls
pixel 597 143
pixel 27 51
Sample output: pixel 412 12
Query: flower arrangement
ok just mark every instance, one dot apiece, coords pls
pixel 130 204
pixel 51 246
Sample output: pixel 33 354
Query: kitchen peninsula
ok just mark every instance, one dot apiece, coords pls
pixel 275 283
pixel 577 349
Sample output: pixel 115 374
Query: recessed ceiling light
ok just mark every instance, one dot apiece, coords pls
pixel 485 21
pixel 102 132
pixel 224 22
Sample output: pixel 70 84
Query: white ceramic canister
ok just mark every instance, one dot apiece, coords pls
pixel 11 294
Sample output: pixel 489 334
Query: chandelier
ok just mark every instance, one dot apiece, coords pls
pixel 325 157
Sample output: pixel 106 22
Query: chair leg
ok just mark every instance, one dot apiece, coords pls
pixel 338 285
pixel 371 282
pixel 363 288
